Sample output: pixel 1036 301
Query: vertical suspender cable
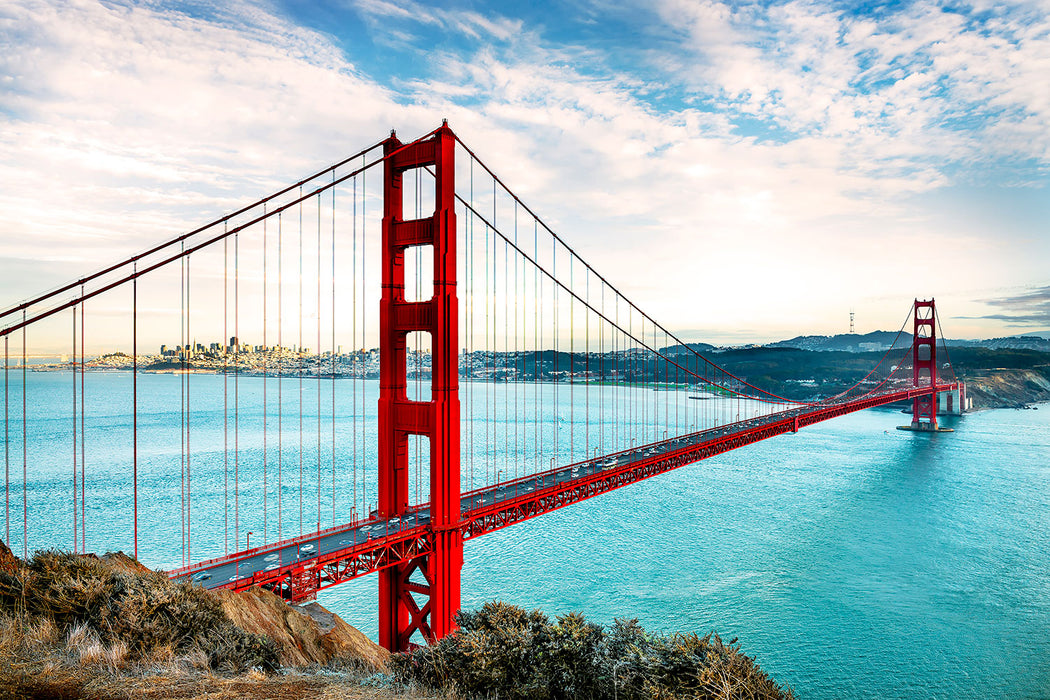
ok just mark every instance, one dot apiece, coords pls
pixel 364 297
pixel 25 448
pixel 265 397
pixel 520 352
pixel 225 393
pixel 354 355
pixel 468 218
pixel 300 361
pixel 488 386
pixel 572 367
pixel 182 402
pixel 468 344
pixel 554 329
pixel 237 391
pixel 189 414
pixel 83 435
pixel 677 397
pixel 618 359
pixel 495 316
pixel 537 323
pixel 317 362
pixel 506 354
pixel 333 357
pixel 135 409
pixel 7 442
pixel 601 374
pixel 629 400
pixel 280 384
pixel 517 371
pixel 417 336
pixel 73 367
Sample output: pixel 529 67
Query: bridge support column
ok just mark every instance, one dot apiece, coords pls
pixel 924 365
pixel 400 613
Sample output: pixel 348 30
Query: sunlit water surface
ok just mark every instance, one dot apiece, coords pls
pixel 851 560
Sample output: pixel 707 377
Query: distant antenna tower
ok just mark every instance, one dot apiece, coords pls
pixel 851 322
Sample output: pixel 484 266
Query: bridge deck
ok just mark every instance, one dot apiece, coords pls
pixel 299 567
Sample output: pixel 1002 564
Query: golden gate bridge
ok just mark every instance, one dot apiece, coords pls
pixel 513 380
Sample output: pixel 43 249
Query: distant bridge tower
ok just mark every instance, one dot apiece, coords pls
pixel 400 613
pixel 924 365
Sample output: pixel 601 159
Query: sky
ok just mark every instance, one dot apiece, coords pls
pixel 743 171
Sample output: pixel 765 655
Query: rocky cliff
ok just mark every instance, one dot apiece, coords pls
pixel 304 635
pixel 1009 388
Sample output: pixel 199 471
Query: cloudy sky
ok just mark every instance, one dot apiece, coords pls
pixel 743 171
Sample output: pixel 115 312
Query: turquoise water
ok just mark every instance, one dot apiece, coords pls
pixel 852 560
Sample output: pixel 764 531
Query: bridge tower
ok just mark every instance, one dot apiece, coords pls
pixel 924 365
pixel 401 591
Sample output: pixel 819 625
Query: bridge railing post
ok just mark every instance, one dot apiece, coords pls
pixel 400 614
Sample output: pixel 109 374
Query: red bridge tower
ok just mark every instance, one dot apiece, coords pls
pixel 924 365
pixel 400 613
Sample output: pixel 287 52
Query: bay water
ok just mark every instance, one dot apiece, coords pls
pixel 851 560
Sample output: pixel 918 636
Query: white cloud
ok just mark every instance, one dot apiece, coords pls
pixel 897 81
pixel 110 108
pixel 156 120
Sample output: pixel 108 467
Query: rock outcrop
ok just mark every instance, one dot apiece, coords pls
pixel 1009 388
pixel 8 561
pixel 305 635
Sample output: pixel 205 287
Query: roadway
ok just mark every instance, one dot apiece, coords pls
pixel 273 563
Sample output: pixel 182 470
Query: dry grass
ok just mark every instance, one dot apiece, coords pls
pixel 74 628
pixel 37 662
pixel 77 628
pixel 116 617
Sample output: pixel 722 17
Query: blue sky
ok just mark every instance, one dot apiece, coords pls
pixel 773 164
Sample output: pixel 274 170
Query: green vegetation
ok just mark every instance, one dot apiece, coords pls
pixel 130 617
pixel 74 626
pixel 504 651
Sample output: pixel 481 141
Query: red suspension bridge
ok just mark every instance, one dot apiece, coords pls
pixel 492 375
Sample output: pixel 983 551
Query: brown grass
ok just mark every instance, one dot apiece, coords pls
pixel 113 616
pixel 37 663
pixel 75 628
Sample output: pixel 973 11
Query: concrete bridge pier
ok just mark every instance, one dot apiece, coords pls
pixel 955 402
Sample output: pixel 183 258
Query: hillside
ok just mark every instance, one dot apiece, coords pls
pixel 844 342
pixel 881 340
pixel 78 627
pixel 996 378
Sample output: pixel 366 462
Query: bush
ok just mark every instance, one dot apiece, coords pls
pixel 504 651
pixel 144 612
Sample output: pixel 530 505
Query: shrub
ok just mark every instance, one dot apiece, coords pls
pixel 504 651
pixel 137 614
